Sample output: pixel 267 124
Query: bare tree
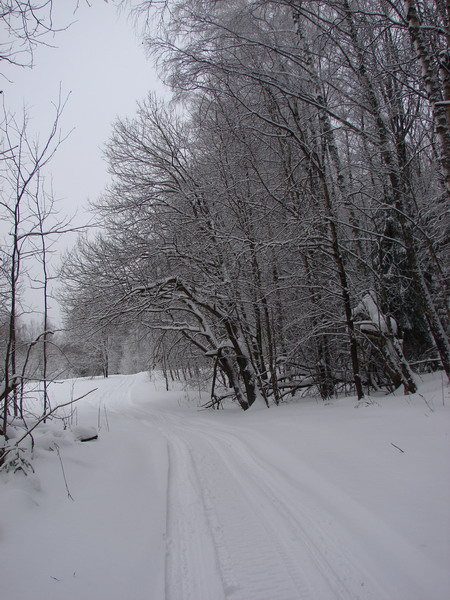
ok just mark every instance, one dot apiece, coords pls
pixel 23 209
pixel 208 43
pixel 286 221
pixel 25 25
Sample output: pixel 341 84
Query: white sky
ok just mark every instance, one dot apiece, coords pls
pixel 102 63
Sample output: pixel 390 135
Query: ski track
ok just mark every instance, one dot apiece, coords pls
pixel 246 520
pixel 335 573
pixel 235 516
pixel 266 546
pixel 192 569
pixel 232 535
pixel 254 563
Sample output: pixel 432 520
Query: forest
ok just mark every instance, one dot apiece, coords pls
pixel 280 225
pixel 272 236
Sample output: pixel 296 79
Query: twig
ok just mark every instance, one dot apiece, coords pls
pixel 51 412
pixel 106 418
pixel 47 414
pixel 69 495
pixel 426 402
pixel 397 448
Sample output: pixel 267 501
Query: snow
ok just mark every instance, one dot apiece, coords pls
pixel 377 321
pixel 84 433
pixel 308 500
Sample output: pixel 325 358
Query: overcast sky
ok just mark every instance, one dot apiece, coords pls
pixel 102 63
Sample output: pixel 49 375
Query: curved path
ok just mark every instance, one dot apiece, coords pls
pixel 242 524
pixel 173 503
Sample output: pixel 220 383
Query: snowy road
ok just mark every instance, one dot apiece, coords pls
pixel 252 539
pixel 176 504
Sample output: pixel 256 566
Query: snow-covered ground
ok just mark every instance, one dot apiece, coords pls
pixel 304 501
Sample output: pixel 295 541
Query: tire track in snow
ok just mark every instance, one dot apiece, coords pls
pixel 254 564
pixel 236 528
pixel 252 560
pixel 111 388
pixel 192 571
pixel 306 549
pixel 349 575
pixel 267 546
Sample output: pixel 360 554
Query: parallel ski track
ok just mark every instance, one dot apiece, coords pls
pixel 270 549
pixel 331 573
pixel 192 569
